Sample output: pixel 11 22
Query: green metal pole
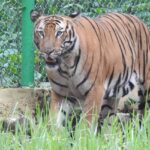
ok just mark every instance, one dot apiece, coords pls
pixel 27 74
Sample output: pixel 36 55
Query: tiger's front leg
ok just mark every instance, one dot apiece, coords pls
pixel 92 107
pixel 55 103
pixel 65 113
pixel 60 110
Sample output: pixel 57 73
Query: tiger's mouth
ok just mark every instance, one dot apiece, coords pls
pixel 55 57
pixel 49 60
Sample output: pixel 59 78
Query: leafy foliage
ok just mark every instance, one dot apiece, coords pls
pixel 10 45
pixel 95 7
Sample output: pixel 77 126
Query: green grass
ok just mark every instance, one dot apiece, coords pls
pixel 110 138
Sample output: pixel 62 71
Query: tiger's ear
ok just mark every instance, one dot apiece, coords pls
pixel 74 14
pixel 34 15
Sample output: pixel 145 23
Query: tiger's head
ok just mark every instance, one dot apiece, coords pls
pixel 54 36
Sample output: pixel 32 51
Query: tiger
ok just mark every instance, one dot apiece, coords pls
pixel 92 62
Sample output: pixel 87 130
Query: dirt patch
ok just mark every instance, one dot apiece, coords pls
pixel 16 101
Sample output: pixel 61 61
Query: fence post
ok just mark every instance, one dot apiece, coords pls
pixel 27 73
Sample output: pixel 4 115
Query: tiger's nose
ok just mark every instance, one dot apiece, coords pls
pixel 48 52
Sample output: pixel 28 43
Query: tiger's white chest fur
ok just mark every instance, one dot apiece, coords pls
pixel 68 74
pixel 64 84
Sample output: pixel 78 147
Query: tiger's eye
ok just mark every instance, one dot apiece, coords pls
pixel 58 33
pixel 41 34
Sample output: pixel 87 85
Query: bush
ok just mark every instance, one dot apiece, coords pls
pixel 10 42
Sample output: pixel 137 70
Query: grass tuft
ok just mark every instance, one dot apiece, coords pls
pixel 129 135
